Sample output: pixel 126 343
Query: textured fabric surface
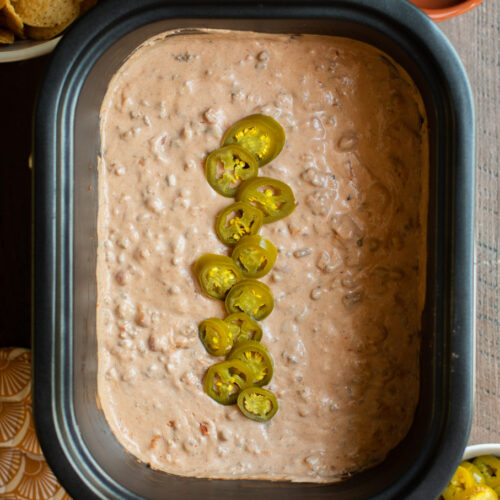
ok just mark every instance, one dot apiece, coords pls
pixel 476 38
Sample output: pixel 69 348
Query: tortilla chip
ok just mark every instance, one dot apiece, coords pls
pixel 85 5
pixel 47 13
pixel 6 36
pixel 2 3
pixel 12 19
pixel 37 33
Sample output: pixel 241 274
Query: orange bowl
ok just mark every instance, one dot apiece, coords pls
pixel 439 10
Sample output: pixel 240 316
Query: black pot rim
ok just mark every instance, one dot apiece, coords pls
pixel 76 53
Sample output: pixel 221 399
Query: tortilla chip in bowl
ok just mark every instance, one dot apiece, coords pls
pixel 31 28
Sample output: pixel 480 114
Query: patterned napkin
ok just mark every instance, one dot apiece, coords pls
pixel 24 473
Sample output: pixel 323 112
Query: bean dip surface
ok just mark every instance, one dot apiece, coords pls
pixel 349 281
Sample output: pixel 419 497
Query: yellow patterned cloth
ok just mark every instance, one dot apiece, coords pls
pixel 24 473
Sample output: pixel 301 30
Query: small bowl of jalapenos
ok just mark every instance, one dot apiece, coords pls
pixel 478 475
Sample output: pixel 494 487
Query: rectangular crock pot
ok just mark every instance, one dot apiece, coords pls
pixel 75 437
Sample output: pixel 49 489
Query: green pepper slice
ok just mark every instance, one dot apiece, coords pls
pixel 255 256
pixel 216 274
pixel 216 335
pixel 257 357
pixel 262 135
pixel 257 403
pixel 274 198
pixel 251 297
pixel 227 167
pixel 224 381
pixel 245 328
pixel 236 221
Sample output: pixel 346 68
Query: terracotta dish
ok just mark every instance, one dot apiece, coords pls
pixel 439 10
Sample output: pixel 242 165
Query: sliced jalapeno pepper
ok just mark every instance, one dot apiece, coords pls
pixel 274 198
pixel 255 256
pixel 216 274
pixel 476 473
pixel 227 167
pixel 461 481
pixel 250 297
pixel 224 381
pixel 479 492
pixel 236 221
pixel 489 466
pixel 216 335
pixel 257 357
pixel 245 328
pixel 257 403
pixel 260 134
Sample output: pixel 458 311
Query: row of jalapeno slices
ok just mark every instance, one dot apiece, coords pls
pixel 248 367
pixel 232 171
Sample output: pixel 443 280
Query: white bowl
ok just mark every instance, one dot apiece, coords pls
pixel 477 450
pixel 26 49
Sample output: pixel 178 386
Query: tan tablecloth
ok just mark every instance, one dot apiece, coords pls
pixel 476 37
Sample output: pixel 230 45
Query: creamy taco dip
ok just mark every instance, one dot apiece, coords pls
pixel 348 282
